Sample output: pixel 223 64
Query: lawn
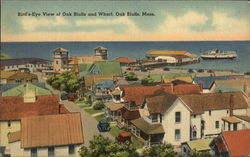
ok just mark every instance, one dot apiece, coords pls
pixel 100 117
pixel 135 142
pixel 92 111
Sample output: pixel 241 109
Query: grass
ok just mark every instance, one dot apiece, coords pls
pixel 135 142
pixel 100 117
pixel 92 111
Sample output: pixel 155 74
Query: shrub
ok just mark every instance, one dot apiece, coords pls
pixel 200 70
pixel 247 73
pixel 98 105
pixel 190 70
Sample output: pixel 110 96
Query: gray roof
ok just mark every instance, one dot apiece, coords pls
pixel 23 61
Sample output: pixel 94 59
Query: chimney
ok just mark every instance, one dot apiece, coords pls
pixel 231 103
pixel 172 88
pixel 29 94
pixel 245 88
pixel 59 108
pixel 201 86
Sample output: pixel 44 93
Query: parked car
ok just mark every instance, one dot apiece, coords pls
pixel 210 71
pixel 72 96
pixel 64 96
pixel 143 69
pixel 103 126
pixel 124 138
pixel 136 69
pixel 166 69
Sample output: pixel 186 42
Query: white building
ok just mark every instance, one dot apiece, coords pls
pixel 176 119
pixel 48 135
pixel 22 64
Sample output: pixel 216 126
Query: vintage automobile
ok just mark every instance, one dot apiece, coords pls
pixel 124 138
pixel 103 126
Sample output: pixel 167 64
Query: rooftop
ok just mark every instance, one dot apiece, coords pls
pixel 107 68
pixel 93 79
pixel 23 61
pixel 165 52
pixel 147 127
pixel 231 119
pixel 127 114
pixel 114 106
pixel 6 74
pixel 125 60
pixel 19 90
pixel 60 49
pixel 242 146
pixel 200 145
pixel 14 107
pixel 23 75
pixel 51 130
pixel 214 101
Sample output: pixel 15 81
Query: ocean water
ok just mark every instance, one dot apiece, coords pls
pixel 137 50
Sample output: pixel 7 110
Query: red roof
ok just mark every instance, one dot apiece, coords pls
pixel 137 93
pixel 124 60
pixel 238 142
pixel 14 107
pixel 125 134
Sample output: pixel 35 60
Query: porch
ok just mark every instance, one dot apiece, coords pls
pixel 112 110
pixel 149 134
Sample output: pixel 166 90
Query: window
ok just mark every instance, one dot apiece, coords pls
pixel 235 126
pixel 194 134
pixel 184 149
pixel 177 134
pixel 56 62
pixel 71 149
pixel 33 152
pixel 194 116
pixel 217 124
pixel 154 118
pixel 177 117
pixel 210 112
pixel 51 151
pixel 9 123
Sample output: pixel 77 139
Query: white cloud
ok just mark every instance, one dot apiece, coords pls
pixel 91 22
pixel 32 23
pixel 190 18
pixel 223 22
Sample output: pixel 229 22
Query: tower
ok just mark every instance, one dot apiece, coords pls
pixel 61 57
pixel 101 52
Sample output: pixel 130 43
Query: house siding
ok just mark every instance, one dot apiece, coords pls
pixel 16 150
pixel 195 123
pixel 169 125
pixel 4 130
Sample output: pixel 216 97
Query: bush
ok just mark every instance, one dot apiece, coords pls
pixel 200 70
pixel 247 73
pixel 190 70
pixel 98 105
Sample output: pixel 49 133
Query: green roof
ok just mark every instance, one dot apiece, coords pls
pixel 84 68
pixel 107 68
pixel 157 77
pixel 200 145
pixel 19 90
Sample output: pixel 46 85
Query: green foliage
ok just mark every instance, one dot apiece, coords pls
pixel 131 77
pixel 199 154
pixel 147 81
pixel 98 105
pixel 67 81
pixel 104 147
pixel 87 100
pixel 163 150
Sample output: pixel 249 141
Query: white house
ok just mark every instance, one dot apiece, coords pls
pixel 47 135
pixel 165 118
pixel 167 59
pixel 175 119
pixel 31 64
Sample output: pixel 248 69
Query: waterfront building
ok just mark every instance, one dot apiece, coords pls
pixel 24 64
pixel 61 59
pixel 101 52
pixel 125 61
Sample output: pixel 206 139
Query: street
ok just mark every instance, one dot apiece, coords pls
pixel 89 123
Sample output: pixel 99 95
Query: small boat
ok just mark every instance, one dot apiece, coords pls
pixel 217 54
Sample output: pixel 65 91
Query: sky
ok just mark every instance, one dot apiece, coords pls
pixel 171 21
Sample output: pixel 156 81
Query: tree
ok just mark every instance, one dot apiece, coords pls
pixel 102 147
pixel 67 81
pixel 163 150
pixel 131 77
pixel 98 105
pixel 199 154
pixel 147 81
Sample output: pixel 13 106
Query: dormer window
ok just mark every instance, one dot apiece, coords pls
pixel 154 118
